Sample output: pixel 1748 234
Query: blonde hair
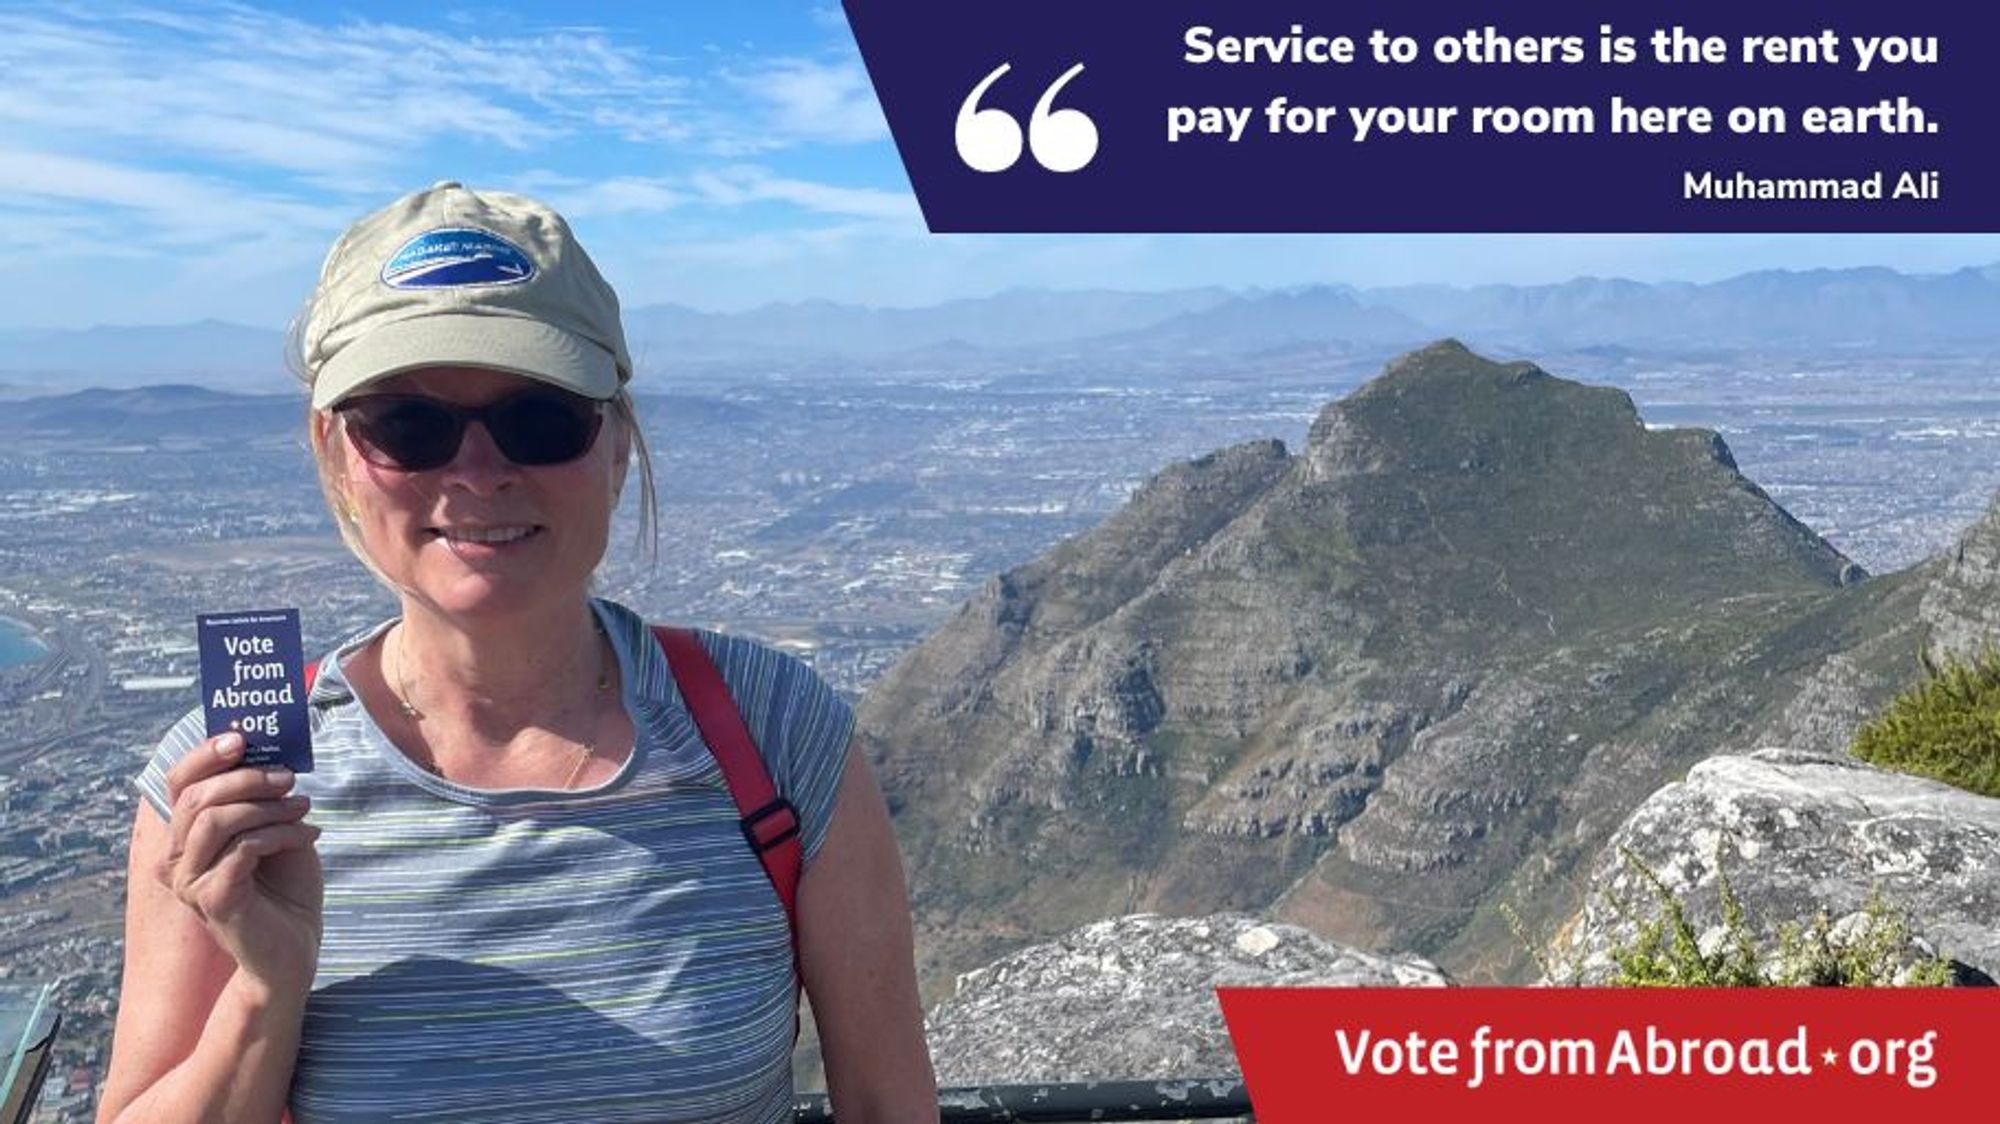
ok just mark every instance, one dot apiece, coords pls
pixel 325 440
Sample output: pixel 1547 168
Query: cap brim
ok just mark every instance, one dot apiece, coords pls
pixel 535 349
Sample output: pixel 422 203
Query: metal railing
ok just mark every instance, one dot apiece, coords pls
pixel 28 1061
pixel 1220 1098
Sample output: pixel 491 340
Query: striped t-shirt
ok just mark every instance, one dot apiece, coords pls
pixel 609 954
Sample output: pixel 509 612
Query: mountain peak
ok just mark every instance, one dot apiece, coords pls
pixel 1446 350
pixel 1444 407
pixel 1485 605
pixel 1447 368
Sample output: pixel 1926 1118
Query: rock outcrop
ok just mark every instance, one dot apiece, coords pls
pixel 1945 608
pixel 1961 607
pixel 1799 833
pixel 1133 998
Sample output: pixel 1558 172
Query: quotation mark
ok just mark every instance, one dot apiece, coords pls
pixel 989 140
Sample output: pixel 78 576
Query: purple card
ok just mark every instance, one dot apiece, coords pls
pixel 253 682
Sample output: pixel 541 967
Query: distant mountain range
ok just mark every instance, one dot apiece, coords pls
pixel 1381 686
pixel 1841 310
pixel 175 413
pixel 150 412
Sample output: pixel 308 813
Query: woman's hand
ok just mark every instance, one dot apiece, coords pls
pixel 242 858
pixel 222 929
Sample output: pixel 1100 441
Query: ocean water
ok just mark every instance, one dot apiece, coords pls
pixel 16 646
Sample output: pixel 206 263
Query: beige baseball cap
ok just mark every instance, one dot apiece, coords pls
pixel 449 276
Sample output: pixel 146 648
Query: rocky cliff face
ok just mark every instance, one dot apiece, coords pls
pixel 1961 606
pixel 1798 832
pixel 1424 666
pixel 1946 608
pixel 1133 998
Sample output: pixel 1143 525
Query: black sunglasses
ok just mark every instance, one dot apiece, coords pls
pixel 415 433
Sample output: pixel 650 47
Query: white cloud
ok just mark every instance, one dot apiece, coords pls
pixel 258 91
pixel 151 206
pixel 93 241
pixel 807 100
pixel 715 191
pixel 134 128
pixel 742 184
pixel 622 196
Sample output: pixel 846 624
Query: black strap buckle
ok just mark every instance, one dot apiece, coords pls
pixel 760 830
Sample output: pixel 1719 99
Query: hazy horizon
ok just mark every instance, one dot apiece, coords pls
pixel 1245 289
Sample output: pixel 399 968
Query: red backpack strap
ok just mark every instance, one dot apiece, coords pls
pixel 312 673
pixel 770 823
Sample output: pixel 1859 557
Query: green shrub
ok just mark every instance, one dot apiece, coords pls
pixel 1665 951
pixel 1808 956
pixel 1947 727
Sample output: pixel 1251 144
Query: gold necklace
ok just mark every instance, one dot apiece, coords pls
pixel 585 750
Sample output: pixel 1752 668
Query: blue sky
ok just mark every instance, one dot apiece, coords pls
pixel 167 163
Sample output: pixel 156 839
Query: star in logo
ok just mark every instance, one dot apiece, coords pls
pixel 1829 1057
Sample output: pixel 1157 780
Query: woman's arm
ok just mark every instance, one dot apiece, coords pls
pixel 858 963
pixel 206 1034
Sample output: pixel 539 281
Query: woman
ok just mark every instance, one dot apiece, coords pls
pixel 515 886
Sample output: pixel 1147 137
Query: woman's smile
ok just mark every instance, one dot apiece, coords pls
pixel 480 544
pixel 490 536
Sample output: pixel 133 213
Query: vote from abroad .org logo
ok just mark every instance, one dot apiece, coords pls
pixel 990 140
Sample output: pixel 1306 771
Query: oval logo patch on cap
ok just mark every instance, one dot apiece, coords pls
pixel 457 256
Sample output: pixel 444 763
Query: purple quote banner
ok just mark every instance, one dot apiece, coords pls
pixel 1079 116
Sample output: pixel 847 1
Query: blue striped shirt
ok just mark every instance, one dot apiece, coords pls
pixel 609 954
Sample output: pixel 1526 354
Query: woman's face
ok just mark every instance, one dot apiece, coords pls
pixel 421 529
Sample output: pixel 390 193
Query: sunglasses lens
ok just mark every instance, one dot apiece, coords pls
pixel 544 427
pixel 416 434
pixel 413 434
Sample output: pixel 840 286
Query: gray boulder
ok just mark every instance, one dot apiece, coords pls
pixel 1800 832
pixel 1133 998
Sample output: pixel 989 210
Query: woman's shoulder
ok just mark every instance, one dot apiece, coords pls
pixel 801 725
pixel 763 677
pixel 754 670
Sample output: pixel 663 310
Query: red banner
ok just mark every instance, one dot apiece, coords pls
pixel 1312 1055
